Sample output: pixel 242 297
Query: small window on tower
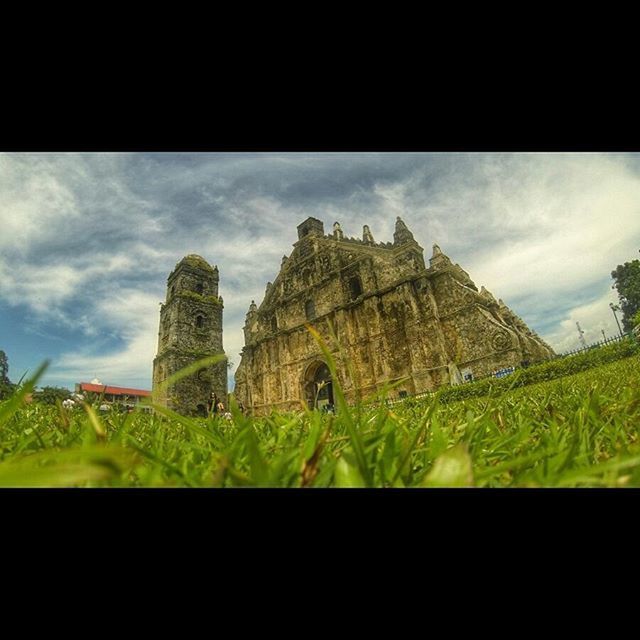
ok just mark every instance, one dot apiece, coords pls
pixel 274 324
pixel 199 288
pixel 199 322
pixel 355 287
pixel 310 309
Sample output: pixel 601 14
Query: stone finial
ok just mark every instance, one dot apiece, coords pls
pixel 284 259
pixel 252 310
pixel 438 259
pixel 402 233
pixel 487 295
pixel 367 236
pixel 337 231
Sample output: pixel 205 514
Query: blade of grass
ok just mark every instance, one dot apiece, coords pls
pixel 66 468
pixel 343 408
pixel 157 459
pixel 10 406
pixel 453 468
pixel 411 447
pixel 98 428
pixel 190 369
pixel 190 424
pixel 587 472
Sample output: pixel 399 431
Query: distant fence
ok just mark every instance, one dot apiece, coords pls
pixel 595 345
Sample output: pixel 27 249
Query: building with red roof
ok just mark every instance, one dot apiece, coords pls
pixel 111 393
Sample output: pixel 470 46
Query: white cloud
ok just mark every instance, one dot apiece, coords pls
pixel 42 288
pixel 123 368
pixel 594 317
pixel 135 316
pixel 69 222
pixel 559 224
pixel 33 203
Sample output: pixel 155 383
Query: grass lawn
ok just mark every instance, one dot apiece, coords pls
pixel 579 430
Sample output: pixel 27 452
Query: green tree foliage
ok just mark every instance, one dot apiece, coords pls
pixel 6 386
pixel 6 389
pixel 627 282
pixel 49 395
pixel 4 367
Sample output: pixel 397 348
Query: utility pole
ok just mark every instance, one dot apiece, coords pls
pixel 614 308
pixel 581 334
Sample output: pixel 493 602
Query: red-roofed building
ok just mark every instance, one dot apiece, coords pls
pixel 110 393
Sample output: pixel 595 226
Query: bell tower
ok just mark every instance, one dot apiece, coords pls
pixel 191 329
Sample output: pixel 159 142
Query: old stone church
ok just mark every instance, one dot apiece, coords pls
pixel 394 319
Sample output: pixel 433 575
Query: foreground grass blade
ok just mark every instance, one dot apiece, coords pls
pixel 189 423
pixel 344 409
pixel 10 406
pixel 453 468
pixel 70 468
pixel 189 370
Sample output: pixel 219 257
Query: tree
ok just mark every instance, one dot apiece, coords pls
pixel 6 386
pixel 4 367
pixel 627 282
pixel 49 395
pixel 6 389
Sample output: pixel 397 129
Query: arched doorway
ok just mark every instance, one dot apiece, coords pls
pixel 318 387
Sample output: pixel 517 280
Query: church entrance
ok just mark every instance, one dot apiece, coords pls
pixel 318 387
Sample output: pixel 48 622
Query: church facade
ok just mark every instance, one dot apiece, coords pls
pixel 394 320
pixel 190 329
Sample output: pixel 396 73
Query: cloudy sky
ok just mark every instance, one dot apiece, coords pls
pixel 87 240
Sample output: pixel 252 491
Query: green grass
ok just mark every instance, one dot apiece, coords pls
pixel 580 430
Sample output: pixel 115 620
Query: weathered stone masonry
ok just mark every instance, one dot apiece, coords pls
pixel 394 318
pixel 190 329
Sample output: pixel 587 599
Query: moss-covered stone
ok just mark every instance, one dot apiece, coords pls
pixel 196 261
pixel 199 297
pixel 191 329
